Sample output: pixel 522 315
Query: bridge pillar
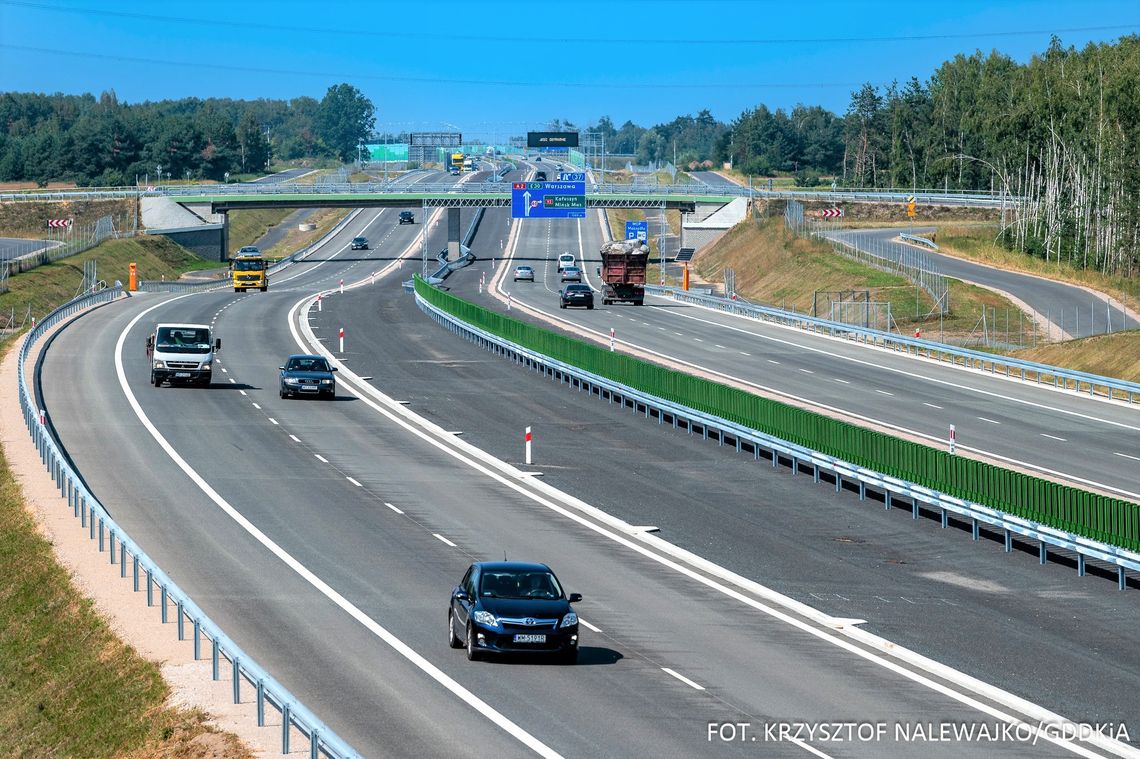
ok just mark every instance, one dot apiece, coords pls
pixel 454 234
pixel 225 252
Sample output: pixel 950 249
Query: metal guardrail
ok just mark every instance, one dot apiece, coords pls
pixel 693 189
pixel 94 517
pixel 921 240
pixel 752 441
pixel 1028 371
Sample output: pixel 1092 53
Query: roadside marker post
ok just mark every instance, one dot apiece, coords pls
pixel 613 333
pixel 319 307
pixel 953 440
pixel 508 301
pixel 342 287
pixel 528 457
pixel 342 339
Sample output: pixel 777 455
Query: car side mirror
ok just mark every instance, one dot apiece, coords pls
pixel 333 369
pixel 218 344
pixel 575 597
pixel 281 368
pixel 461 595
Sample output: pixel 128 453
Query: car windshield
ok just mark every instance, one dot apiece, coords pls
pixel 183 339
pixel 306 364
pixel 519 583
pixel 249 264
pixel 359 239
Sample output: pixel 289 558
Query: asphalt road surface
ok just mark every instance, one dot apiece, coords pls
pixel 387 513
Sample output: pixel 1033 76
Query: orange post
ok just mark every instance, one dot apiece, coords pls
pixel 133 279
pixel 685 278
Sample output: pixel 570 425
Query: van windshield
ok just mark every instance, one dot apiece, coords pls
pixel 183 339
pixel 249 264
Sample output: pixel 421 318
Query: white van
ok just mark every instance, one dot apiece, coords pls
pixel 564 260
pixel 182 353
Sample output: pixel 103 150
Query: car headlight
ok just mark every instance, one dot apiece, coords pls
pixel 326 382
pixel 292 381
pixel 485 618
pixel 206 366
pixel 159 364
pixel 569 620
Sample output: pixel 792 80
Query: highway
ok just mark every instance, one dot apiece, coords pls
pixel 1010 422
pixel 387 513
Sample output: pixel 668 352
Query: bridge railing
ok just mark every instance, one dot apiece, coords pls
pixel 122 550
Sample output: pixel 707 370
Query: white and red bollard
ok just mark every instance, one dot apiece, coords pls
pixel 342 287
pixel 508 301
pixel 917 333
pixel 43 419
pixel 613 334
pixel 953 440
pixel 528 458
pixel 342 339
pixel 319 307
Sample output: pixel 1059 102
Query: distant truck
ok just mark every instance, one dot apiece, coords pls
pixel 623 272
pixel 250 270
pixel 182 353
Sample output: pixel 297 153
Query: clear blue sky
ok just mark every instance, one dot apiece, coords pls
pixel 498 67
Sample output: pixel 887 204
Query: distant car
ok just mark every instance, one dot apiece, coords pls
pixel 249 250
pixel 564 260
pixel 360 243
pixel 454 172
pixel 407 217
pixel 576 295
pixel 571 274
pixel 303 374
pixel 540 176
pixel 524 272
pixel 512 607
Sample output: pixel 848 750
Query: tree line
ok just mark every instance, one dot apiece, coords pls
pixel 100 141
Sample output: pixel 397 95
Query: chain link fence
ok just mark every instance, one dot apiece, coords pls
pixel 68 242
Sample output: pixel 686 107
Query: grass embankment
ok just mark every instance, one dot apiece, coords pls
pixel 71 687
pixel 29 219
pixel 776 268
pixel 48 286
pixel 619 216
pixel 247 226
pixel 295 239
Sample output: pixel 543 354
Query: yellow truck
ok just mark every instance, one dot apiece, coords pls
pixel 250 270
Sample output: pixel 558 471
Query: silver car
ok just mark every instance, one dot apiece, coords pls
pixel 571 274
pixel 524 272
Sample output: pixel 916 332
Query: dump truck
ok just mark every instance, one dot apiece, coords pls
pixel 623 272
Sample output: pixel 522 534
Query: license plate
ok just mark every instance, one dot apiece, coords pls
pixel 309 388
pixel 524 638
pixel 182 374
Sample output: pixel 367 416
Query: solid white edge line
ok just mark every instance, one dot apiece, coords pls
pixel 467 453
pixel 682 678
pixel 1125 455
pixel 306 574
pixel 445 540
pixel 1053 437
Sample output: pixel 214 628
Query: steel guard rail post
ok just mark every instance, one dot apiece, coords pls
pixel 1076 515
pixel 1027 371
pixel 88 508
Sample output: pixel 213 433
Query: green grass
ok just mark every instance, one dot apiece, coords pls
pixel 71 687
pixel 45 287
pixel 249 225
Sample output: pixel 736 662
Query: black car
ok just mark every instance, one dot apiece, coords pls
pixel 540 176
pixel 360 243
pixel 576 295
pixel 512 607
pixel 307 375
pixel 407 217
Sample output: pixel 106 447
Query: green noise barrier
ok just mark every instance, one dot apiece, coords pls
pixel 1091 515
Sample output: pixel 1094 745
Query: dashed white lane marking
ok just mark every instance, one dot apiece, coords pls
pixel 678 334
pixel 294 438
pixel 354 482
pixel 224 369
pixel 720 346
pixel 243 392
pixel 1053 437
pixel 924 403
pixel 589 626
pixel 742 353
pixel 991 421
pixel 321 458
pixel 445 540
pixel 273 421
pixel 845 382
pixel 256 406
pixel 661 328
pixel 806 371
pixel 771 361
pixel 699 340
pixel 233 381
pixel 683 679
pixel 1125 455
pixel 883 392
pixel 393 508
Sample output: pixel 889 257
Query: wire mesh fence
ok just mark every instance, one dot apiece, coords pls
pixel 67 241
pixel 908 261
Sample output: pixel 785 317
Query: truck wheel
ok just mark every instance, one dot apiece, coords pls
pixel 265 288
pixel 590 307
pixel 155 379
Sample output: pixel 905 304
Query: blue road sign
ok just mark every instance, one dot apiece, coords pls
pixel 548 200
pixel 637 230
pixel 572 176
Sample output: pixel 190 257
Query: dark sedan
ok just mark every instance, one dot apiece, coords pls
pixel 512 607
pixel 307 375
pixel 360 243
pixel 576 295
